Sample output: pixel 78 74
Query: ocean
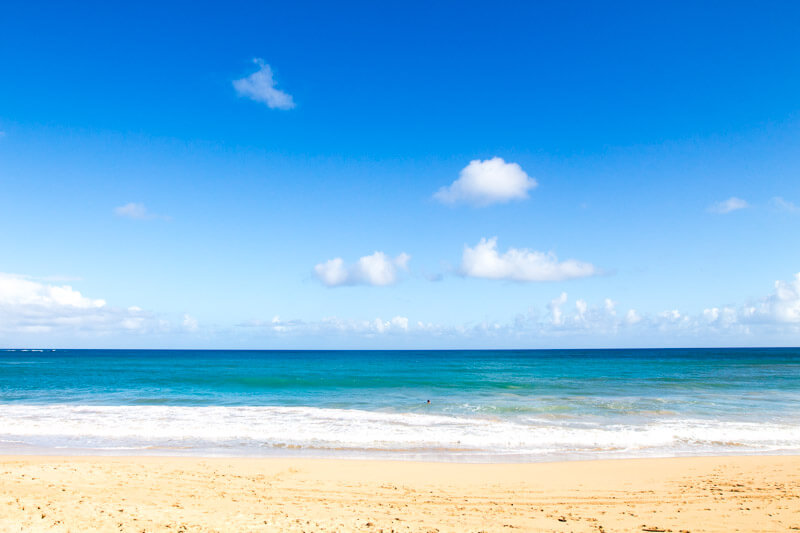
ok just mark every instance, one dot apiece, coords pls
pixel 485 406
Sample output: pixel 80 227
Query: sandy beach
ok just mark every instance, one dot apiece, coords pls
pixel 746 493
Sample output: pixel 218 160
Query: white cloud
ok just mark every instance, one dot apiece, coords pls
pixel 781 308
pixel 728 206
pixel 774 317
pixel 555 308
pixel 777 313
pixel 784 304
pixel 29 306
pixel 632 316
pixel 377 269
pixel 487 182
pixel 331 325
pixel 398 324
pixel 570 323
pixel 137 211
pixel 34 311
pixel 484 261
pixel 785 205
pixel 672 315
pixel 21 291
pixel 260 86
pixel 190 323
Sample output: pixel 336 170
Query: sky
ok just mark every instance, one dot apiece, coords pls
pixel 399 175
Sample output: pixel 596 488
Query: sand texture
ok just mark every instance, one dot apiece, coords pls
pixel 193 494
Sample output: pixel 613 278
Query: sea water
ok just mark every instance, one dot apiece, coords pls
pixel 489 405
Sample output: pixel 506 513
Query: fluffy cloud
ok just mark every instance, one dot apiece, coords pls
pixel 190 323
pixel 487 182
pixel 376 269
pixel 784 304
pixel 21 291
pixel 28 306
pixel 34 311
pixel 728 206
pixel 260 86
pixel 136 211
pixel 774 317
pixel 781 309
pixel 484 261
pixel 578 322
pixel 632 317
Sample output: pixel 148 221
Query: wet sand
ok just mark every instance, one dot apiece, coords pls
pixel 196 494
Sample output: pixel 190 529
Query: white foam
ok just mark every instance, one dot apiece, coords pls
pixel 250 429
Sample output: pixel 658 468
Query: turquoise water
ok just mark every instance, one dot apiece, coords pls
pixel 484 405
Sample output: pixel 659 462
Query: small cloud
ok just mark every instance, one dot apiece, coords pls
pixel 783 305
pixel 728 206
pixel 190 323
pixel 785 205
pixel 484 261
pixel 377 269
pixel 137 212
pixel 632 316
pixel 482 183
pixel 672 315
pixel 260 86
pixel 555 309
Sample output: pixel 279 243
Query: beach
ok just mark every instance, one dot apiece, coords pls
pixel 736 493
pixel 396 267
pixel 605 440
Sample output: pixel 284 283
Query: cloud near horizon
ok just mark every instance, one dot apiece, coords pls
pixel 377 269
pixel 260 86
pixel 728 206
pixel 35 311
pixel 777 315
pixel 482 183
pixel 30 306
pixel 484 261
pixel 376 326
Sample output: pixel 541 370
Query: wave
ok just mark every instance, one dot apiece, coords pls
pixel 263 430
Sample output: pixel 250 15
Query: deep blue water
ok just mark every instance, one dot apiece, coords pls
pixel 485 405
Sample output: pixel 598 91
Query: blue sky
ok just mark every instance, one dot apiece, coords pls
pixel 391 176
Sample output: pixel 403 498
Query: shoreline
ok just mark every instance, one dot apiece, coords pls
pixel 393 456
pixel 156 493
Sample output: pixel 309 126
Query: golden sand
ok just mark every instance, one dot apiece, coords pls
pixel 195 494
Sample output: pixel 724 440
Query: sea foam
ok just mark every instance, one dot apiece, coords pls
pixel 263 430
